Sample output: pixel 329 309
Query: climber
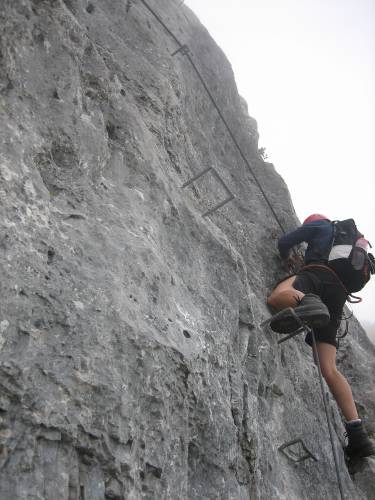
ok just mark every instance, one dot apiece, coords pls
pixel 318 295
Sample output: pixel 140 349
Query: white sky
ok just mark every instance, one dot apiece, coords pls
pixel 307 71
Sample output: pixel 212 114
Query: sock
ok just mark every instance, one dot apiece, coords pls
pixel 353 423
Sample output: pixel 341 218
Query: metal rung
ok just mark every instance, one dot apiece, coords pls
pixel 290 309
pixel 214 172
pixel 292 455
pixel 293 334
pixel 212 210
pixel 190 181
pixel 303 327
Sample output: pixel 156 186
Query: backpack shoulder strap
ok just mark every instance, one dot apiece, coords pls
pixel 330 246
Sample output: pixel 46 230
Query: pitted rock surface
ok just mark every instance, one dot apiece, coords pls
pixel 132 360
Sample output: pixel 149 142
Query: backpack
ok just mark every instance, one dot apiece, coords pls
pixel 348 256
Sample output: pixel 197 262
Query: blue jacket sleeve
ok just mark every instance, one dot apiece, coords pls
pixel 303 233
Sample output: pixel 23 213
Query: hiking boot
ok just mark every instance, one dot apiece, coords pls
pixel 310 310
pixel 359 444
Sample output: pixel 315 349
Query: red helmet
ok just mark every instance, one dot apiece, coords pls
pixel 314 217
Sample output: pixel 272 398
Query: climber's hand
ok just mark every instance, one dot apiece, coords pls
pixel 291 263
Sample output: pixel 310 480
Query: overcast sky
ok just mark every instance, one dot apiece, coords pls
pixel 307 71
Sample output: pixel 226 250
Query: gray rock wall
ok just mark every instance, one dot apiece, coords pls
pixel 132 361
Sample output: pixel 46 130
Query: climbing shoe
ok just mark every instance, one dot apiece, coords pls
pixel 310 310
pixel 359 444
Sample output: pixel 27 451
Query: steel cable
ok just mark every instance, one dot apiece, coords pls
pixel 247 163
pixel 213 101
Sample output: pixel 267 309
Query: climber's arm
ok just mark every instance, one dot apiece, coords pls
pixel 288 241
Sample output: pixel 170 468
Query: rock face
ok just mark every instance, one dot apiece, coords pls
pixel 133 364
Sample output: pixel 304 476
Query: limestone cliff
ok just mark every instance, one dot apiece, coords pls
pixel 133 364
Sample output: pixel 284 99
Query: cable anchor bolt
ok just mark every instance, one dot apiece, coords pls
pixel 184 49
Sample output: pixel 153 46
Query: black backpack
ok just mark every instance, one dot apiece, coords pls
pixel 348 256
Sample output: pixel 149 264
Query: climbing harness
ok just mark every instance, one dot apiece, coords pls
pixel 353 299
pixel 343 335
pixel 346 328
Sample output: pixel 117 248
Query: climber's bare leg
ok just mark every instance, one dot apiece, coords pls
pixel 284 295
pixel 337 383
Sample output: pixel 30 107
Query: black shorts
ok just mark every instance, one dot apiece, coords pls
pixel 323 283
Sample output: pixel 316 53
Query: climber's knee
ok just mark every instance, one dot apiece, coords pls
pixel 272 300
pixel 288 297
